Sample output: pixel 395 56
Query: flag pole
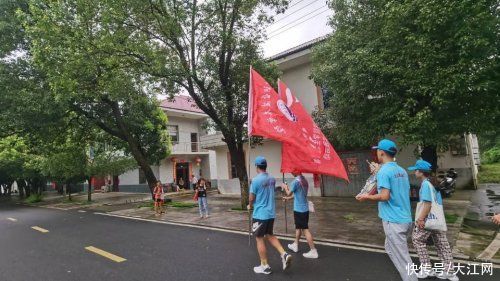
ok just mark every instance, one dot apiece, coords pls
pixel 249 126
pixel 283 174
pixel 284 202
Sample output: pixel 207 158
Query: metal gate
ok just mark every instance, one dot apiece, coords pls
pixel 357 170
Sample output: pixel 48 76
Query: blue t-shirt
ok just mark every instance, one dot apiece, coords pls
pixel 425 192
pixel 300 194
pixel 397 209
pixel 263 189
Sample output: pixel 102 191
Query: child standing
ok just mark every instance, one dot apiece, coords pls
pixel 420 235
pixel 158 194
pixel 201 191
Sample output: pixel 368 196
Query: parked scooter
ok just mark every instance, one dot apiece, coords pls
pixel 447 182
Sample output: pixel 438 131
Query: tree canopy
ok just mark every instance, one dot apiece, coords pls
pixel 422 70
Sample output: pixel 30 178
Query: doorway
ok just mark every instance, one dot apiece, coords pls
pixel 182 171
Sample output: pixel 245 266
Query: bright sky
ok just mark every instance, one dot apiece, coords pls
pixel 303 21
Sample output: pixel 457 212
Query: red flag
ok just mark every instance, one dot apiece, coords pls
pixel 282 117
pixel 269 114
pixel 316 155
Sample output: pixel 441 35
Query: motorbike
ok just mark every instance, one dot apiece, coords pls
pixel 447 182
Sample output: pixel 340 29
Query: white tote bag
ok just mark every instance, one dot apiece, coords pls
pixel 435 219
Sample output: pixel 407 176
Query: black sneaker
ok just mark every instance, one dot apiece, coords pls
pixel 286 259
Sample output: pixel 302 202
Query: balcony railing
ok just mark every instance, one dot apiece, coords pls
pixel 181 147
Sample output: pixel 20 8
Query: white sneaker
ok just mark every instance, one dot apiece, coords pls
pixel 264 269
pixel 294 247
pixel 447 276
pixel 206 216
pixel 312 254
pixel 425 273
pixel 286 259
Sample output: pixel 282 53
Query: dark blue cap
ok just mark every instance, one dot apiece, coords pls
pixel 421 165
pixel 387 146
pixel 260 161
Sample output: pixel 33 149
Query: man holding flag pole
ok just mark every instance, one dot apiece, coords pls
pixel 305 149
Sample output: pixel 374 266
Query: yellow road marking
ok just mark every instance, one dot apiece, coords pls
pixel 42 230
pixel 12 219
pixel 105 254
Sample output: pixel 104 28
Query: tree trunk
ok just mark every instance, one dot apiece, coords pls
pixel 238 159
pixel 89 189
pixel 429 154
pixel 135 148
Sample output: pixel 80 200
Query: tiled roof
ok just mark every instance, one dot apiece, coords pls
pixel 185 103
pixel 298 48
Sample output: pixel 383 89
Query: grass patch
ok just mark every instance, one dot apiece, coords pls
pixel 33 198
pixel 349 217
pixel 182 204
pixel 238 208
pixel 489 173
pixel 450 218
pixel 149 204
pixel 175 204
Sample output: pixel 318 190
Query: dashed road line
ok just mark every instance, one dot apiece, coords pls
pixel 42 230
pixel 12 219
pixel 105 254
pixel 81 211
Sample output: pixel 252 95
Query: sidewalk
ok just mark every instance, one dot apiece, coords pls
pixel 341 220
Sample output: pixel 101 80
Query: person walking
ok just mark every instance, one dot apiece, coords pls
pixel 261 200
pixel 298 192
pixel 201 193
pixel 393 197
pixel 158 195
pixel 427 195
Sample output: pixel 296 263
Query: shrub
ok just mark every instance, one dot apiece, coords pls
pixel 33 198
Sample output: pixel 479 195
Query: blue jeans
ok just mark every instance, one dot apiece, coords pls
pixel 202 205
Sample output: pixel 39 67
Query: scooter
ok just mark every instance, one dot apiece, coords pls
pixel 447 182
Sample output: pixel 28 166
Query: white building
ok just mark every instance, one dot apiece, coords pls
pixel 296 65
pixel 185 126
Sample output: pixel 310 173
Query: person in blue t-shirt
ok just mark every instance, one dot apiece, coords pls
pixel 298 191
pixel 261 199
pixel 394 208
pixel 420 235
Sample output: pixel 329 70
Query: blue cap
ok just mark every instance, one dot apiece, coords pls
pixel 260 161
pixel 387 145
pixel 421 165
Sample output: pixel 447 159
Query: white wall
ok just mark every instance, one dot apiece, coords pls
pixel 297 79
pixel 132 177
pixel 186 127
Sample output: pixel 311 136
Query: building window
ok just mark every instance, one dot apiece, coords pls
pixel 173 132
pixel 142 177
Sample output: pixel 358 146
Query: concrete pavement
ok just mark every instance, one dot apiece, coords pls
pixel 154 251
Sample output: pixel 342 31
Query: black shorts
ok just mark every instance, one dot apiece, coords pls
pixel 260 228
pixel 301 220
pixel 158 200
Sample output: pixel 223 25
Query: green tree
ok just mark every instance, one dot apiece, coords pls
pixel 72 43
pixel 422 70
pixel 205 49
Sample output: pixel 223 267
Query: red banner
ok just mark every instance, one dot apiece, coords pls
pixel 282 117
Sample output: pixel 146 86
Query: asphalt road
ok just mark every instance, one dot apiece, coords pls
pixel 157 252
